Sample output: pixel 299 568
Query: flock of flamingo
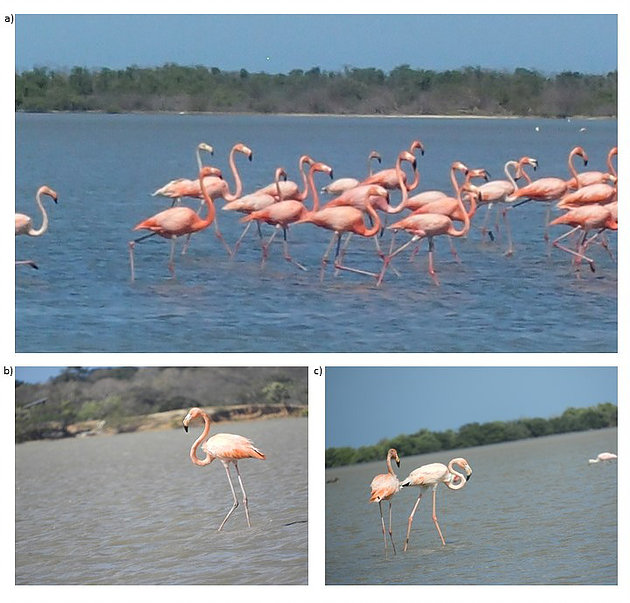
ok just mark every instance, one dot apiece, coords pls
pixel 385 485
pixel 588 200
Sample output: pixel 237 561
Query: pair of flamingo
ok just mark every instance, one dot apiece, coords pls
pixel 385 485
pixel 24 223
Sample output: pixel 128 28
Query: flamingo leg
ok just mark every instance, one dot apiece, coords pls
pixel 508 230
pixel 265 246
pixel 240 481
pixel 132 244
pixel 380 510
pixel 391 537
pixel 410 521
pixel 325 256
pixel 435 521
pixel 171 261
pixel 235 503
pixel 431 268
pixel 392 254
pixel 30 263
pixel 238 242
pixel 287 255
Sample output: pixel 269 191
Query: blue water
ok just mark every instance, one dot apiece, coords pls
pixel 105 167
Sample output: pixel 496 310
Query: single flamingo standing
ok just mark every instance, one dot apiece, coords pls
pixel 341 185
pixel 284 213
pixel 174 222
pixel 228 448
pixel 383 487
pixel 430 476
pixel 24 223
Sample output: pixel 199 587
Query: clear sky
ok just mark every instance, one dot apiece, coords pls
pixel 366 404
pixel 37 374
pixel 279 43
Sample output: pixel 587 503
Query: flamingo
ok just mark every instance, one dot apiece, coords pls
pixel 174 222
pixel 595 177
pixel 24 223
pixel 429 225
pixel 590 193
pixel 585 218
pixel 228 448
pixel 284 213
pixel 430 476
pixel 288 188
pixel 388 178
pixel 548 189
pixel 341 185
pixel 383 487
pixel 343 219
pixel 183 187
pixel 217 188
pixel 603 457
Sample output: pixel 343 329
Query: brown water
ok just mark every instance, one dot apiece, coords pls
pixel 133 509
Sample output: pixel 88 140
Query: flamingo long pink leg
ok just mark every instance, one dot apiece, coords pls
pixel 391 537
pixel 380 510
pixel 240 481
pixel 410 520
pixel 392 254
pixel 235 503
pixel 435 521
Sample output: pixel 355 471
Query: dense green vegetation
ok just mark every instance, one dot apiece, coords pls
pixel 478 434
pixel 115 394
pixel 404 90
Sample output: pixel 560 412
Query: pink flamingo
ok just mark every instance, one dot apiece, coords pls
pixel 388 178
pixel 217 188
pixel 341 185
pixel 603 457
pixel 383 487
pixel 342 219
pixel 183 187
pixel 590 193
pixel 547 189
pixel 429 225
pixel 288 188
pixel 174 222
pixel 585 218
pixel 228 448
pixel 24 223
pixel 595 177
pixel 430 476
pixel 284 213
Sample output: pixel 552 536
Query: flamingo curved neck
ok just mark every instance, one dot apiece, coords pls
pixel 370 232
pixel 403 188
pixel 507 165
pixel 44 227
pixel 238 191
pixel 311 182
pixel 462 478
pixel 193 450
pixel 207 200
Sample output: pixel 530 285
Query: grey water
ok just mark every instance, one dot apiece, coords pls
pixel 533 512
pixel 133 509
pixel 105 167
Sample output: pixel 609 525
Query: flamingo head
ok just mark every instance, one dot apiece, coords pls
pixel 241 148
pixel 305 159
pixel 458 165
pixel 416 144
pixel 193 413
pixel 46 190
pixel 407 156
pixel 392 453
pixel 478 173
pixel 317 166
pixel 581 152
pixel 375 155
pixel 280 174
pixel 378 191
pixel 202 146
pixel 463 463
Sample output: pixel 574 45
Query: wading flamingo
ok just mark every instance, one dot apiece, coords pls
pixel 183 187
pixel 429 226
pixel 228 448
pixel 595 177
pixel 341 185
pixel 602 457
pixel 590 193
pixel 174 222
pixel 217 188
pixel 282 214
pixel 24 223
pixel 430 476
pixel 585 218
pixel 383 487
pixel 547 189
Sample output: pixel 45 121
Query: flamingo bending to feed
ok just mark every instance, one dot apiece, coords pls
pixel 585 218
pixel 174 222
pixel 429 226
pixel 383 487
pixel 284 213
pixel 228 448
pixel 603 457
pixel 183 187
pixel 341 185
pixel 430 476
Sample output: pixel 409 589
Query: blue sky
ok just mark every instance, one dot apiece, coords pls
pixel 37 374
pixel 280 43
pixel 366 404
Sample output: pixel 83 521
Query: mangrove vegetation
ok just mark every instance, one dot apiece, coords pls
pixel 478 434
pixel 402 91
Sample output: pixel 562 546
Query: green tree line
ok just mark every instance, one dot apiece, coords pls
pixel 478 434
pixel 115 394
pixel 403 90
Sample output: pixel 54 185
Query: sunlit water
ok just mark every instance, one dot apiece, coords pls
pixel 533 512
pixel 104 168
pixel 133 509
